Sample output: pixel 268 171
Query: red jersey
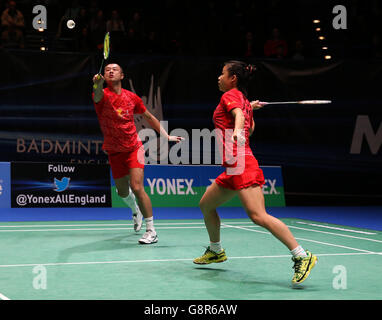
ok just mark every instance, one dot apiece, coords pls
pixel 225 124
pixel 116 117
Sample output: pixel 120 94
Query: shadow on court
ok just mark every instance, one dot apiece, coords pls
pixel 116 243
pixel 231 284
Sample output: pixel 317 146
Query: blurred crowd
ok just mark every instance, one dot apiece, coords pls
pixel 242 28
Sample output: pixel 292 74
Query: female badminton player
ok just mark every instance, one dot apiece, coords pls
pixel 234 114
pixel 115 108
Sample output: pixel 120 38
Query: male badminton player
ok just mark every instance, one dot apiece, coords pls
pixel 115 108
pixel 234 112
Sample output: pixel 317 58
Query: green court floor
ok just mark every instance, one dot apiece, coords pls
pixel 103 260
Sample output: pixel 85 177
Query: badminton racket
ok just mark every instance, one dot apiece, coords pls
pixel 106 52
pixel 297 102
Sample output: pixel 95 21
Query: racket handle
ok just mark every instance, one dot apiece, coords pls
pixel 263 103
pixel 100 69
pixel 95 85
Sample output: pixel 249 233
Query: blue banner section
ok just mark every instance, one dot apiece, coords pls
pixel 184 186
pixel 5 185
pixel 202 175
pixel 175 172
pixel 59 185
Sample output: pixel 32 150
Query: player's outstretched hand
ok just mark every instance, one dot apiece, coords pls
pixel 256 105
pixel 98 79
pixel 238 137
pixel 175 138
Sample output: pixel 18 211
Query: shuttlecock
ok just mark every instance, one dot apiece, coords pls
pixel 70 24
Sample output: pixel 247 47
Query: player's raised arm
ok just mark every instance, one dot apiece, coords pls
pixel 98 81
pixel 155 124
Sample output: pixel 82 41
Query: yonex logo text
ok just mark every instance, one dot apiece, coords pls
pixel 171 186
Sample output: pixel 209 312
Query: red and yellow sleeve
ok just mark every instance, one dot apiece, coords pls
pixel 139 105
pixel 231 101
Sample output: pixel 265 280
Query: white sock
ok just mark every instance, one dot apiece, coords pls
pixel 131 202
pixel 215 246
pixel 150 224
pixel 298 252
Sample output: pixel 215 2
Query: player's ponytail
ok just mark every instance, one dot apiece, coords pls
pixel 244 73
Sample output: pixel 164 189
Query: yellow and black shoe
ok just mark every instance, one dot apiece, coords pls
pixel 302 267
pixel 211 257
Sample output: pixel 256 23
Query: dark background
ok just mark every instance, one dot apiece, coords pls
pixel 183 44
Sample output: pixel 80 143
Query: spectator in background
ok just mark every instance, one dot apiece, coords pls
pixel 376 46
pixel 12 22
pixel 250 48
pixel 82 19
pixel 97 27
pixel 213 28
pixel 84 41
pixel 93 8
pixel 137 24
pixel 132 43
pixel 115 23
pixel 275 47
pixel 237 16
pixel 298 51
pixel 73 11
pixel 82 37
pixel 176 45
pixel 117 30
pixel 152 44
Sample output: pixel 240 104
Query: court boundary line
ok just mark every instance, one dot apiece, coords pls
pixel 3 297
pixel 336 234
pixel 309 240
pixel 375 232
pixel 165 226
pixel 97 229
pixel 334 228
pixel 174 260
pixel 97 224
